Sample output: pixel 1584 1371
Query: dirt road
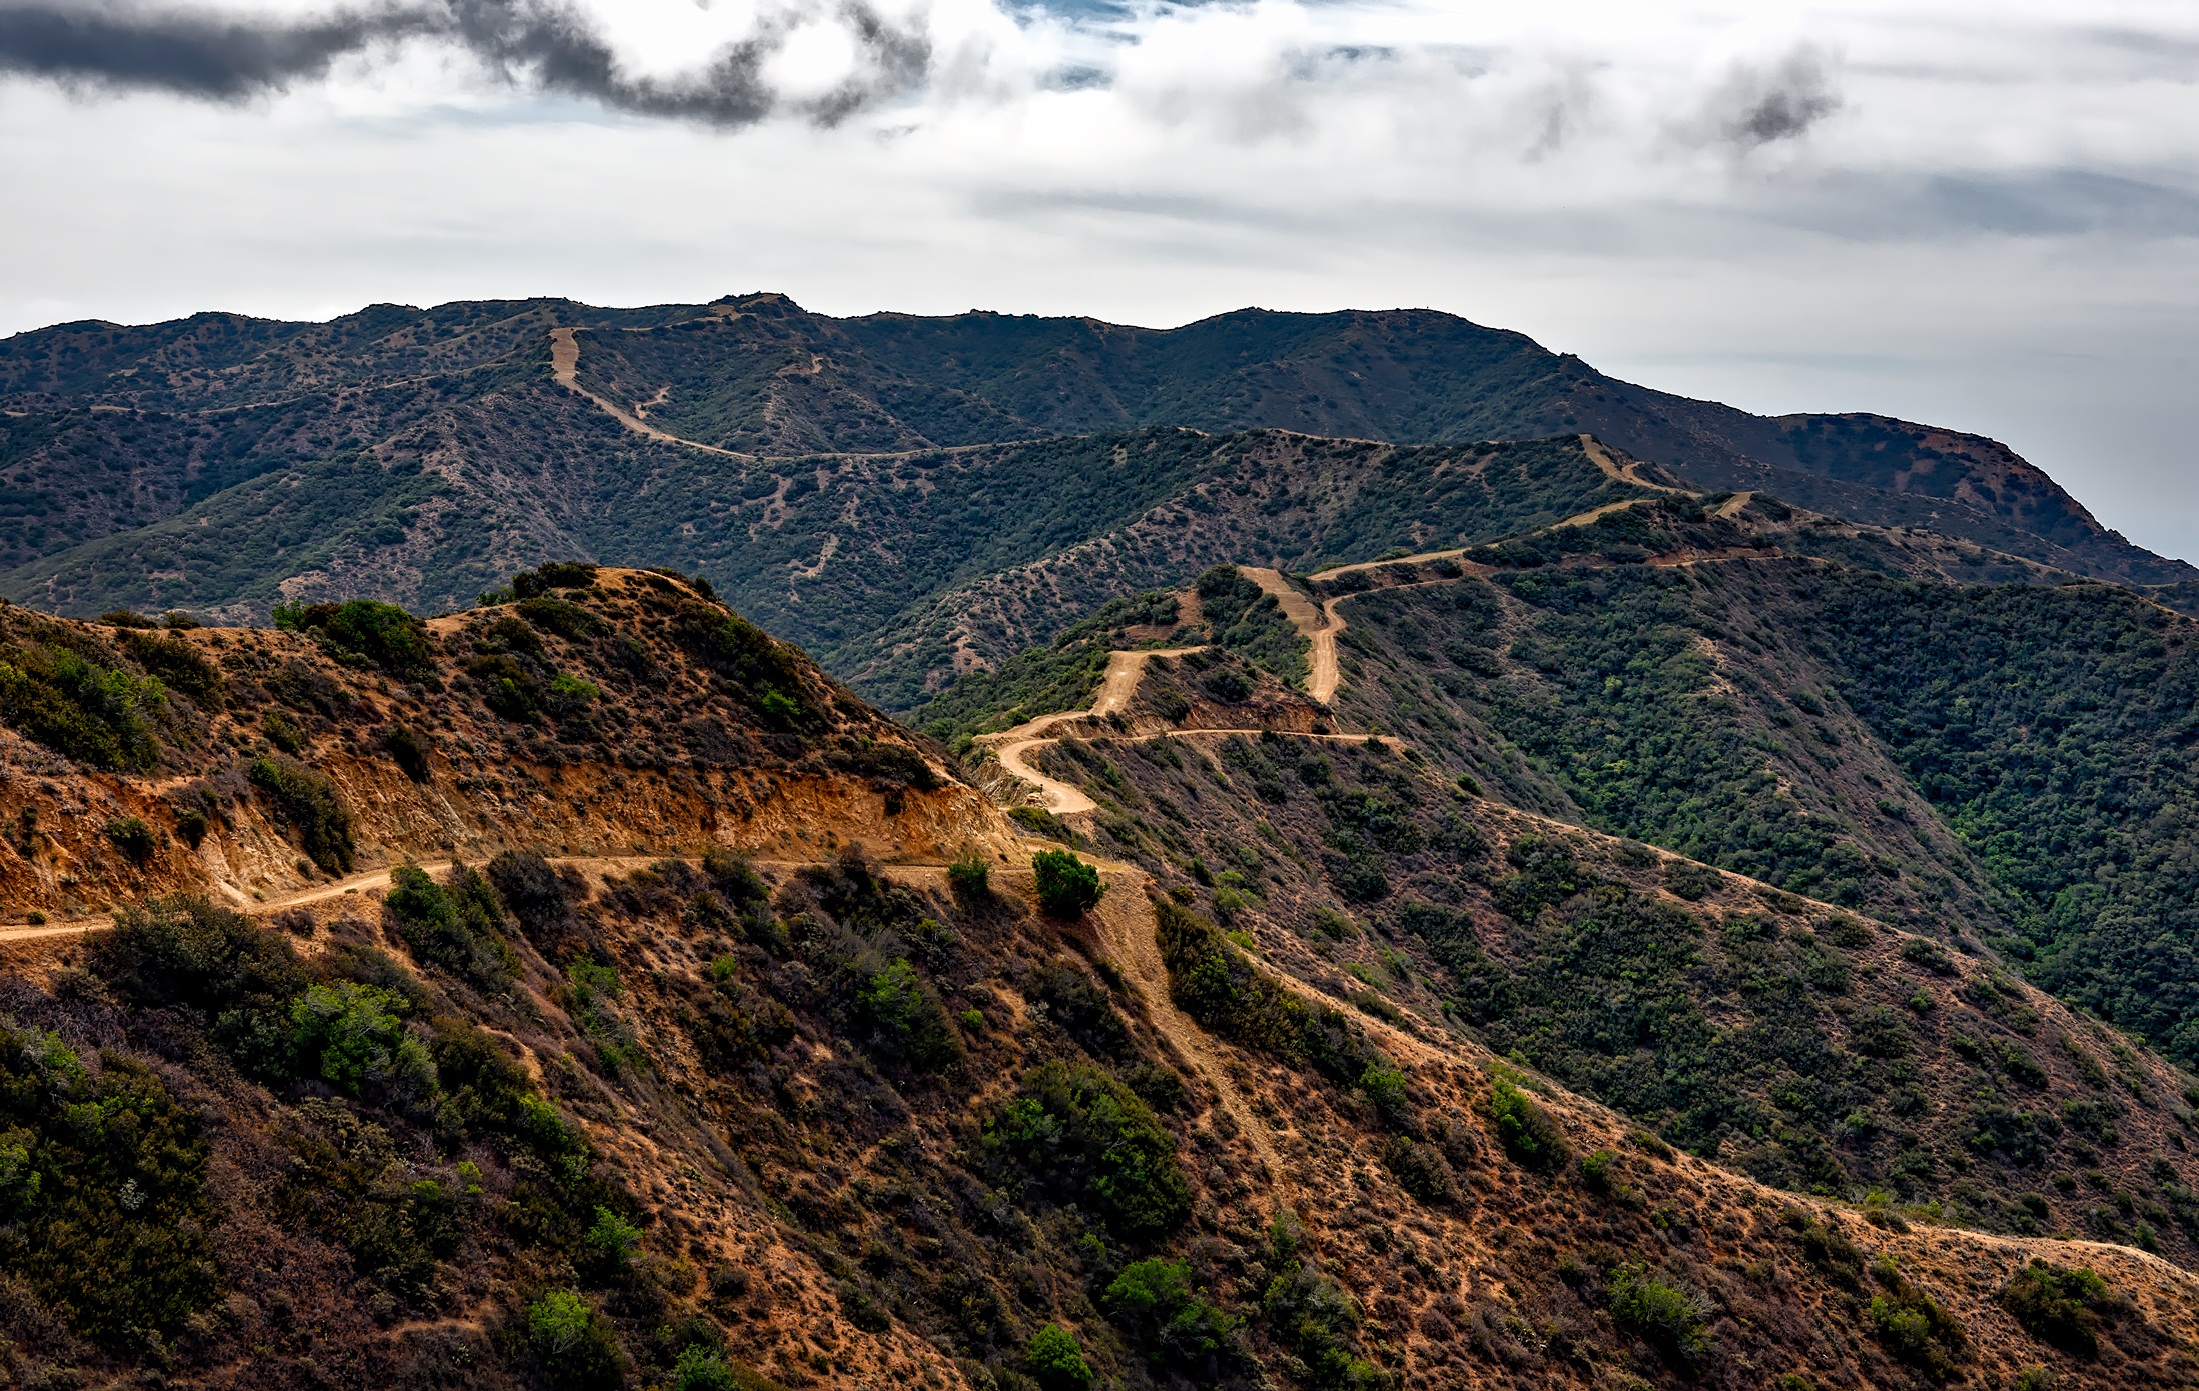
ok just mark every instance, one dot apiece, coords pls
pixel 1317 626
pixel 565 366
pixel 1117 685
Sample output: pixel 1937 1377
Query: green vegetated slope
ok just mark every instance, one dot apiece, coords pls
pixel 2010 760
pixel 108 429
pixel 886 565
pixel 1810 1047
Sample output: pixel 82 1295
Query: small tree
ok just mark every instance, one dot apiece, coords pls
pixel 1055 1361
pixel 970 875
pixel 1067 886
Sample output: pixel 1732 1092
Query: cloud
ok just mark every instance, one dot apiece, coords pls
pixel 545 45
pixel 1763 105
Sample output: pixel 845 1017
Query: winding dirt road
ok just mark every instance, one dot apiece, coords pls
pixel 1318 627
pixel 1117 684
pixel 565 366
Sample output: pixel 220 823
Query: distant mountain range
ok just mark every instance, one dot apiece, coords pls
pixel 844 477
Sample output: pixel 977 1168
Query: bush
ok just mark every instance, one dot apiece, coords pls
pixel 1525 1130
pixel 2061 1306
pixel 614 1238
pixel 1081 1134
pixel 192 825
pixel 459 927
pixel 410 748
pixel 283 732
pixel 764 674
pixel 1179 1326
pixel 1914 1327
pixel 186 952
pixel 1068 888
pixel 104 1177
pixel 378 633
pixel 971 875
pixel 1210 979
pixel 354 1038
pixel 79 708
pixel 905 1021
pixel 572 1346
pixel 178 663
pixel 553 574
pixel 1664 1315
pixel 1055 1361
pixel 133 838
pixel 308 804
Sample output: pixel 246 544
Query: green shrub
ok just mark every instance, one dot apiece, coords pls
pixel 1914 1327
pixel 307 804
pixel 79 708
pixel 1386 1087
pixel 1316 1318
pixel 765 674
pixel 904 1020
pixel 186 952
pixel 1669 1318
pixel 560 616
pixel 458 926
pixel 1079 1133
pixel 1178 1326
pixel 2061 1306
pixel 553 574
pixel 283 732
pixel 574 1349
pixel 178 663
pixel 192 825
pixel 1210 978
pixel 701 1368
pixel 971 875
pixel 1068 888
pixel 1055 1361
pixel 105 1174
pixel 133 838
pixel 354 1038
pixel 378 633
pixel 1525 1130
pixel 614 1238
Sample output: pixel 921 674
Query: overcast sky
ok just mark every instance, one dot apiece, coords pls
pixel 1984 215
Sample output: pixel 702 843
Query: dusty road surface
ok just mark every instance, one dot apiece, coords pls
pixel 1318 627
pixel 565 367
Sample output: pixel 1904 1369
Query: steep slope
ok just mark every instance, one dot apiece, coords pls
pixel 106 431
pixel 621 1108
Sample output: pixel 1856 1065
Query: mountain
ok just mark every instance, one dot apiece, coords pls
pixel 586 991
pixel 417 454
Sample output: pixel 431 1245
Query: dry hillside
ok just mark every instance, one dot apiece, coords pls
pixel 715 1036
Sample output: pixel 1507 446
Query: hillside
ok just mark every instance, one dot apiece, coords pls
pixel 414 455
pixel 897 570
pixel 718 1040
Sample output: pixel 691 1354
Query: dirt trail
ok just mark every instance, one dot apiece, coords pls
pixel 1617 472
pixel 565 366
pixel 1317 626
pixel 1117 685
pixel 599 865
pixel 1127 927
pixel 1734 506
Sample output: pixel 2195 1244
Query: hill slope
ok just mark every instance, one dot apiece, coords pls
pixel 619 1108
pixel 106 430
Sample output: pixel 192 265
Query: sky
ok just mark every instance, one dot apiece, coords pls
pixel 1981 215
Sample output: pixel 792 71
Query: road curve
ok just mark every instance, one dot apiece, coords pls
pixel 1317 626
pixel 565 367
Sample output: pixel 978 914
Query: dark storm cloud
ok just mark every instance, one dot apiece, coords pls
pixel 1760 106
pixel 542 44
